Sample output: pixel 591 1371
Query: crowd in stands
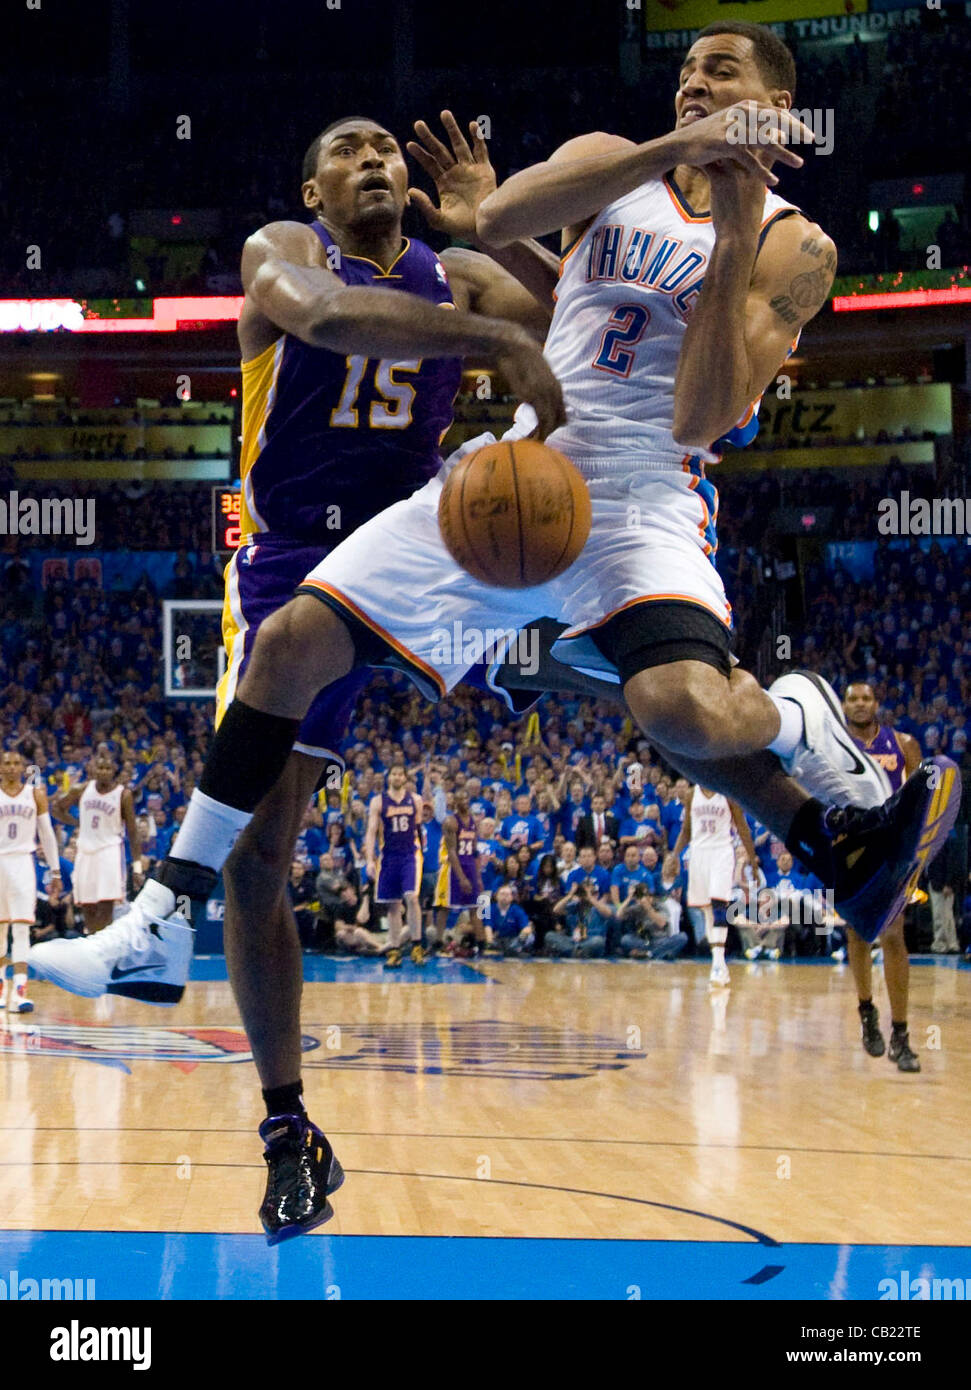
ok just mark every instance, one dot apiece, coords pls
pixel 576 821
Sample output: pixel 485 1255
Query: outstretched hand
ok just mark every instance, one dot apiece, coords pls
pixel 463 176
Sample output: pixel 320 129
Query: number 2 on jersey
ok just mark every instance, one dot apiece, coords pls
pixel 393 412
pixel 625 328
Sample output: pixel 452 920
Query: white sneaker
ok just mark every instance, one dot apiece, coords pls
pixel 140 955
pixel 753 953
pixel 826 761
pixel 719 977
pixel 18 1003
pixel 774 954
pixel 3 995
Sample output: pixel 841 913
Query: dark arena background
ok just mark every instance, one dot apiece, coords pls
pixel 574 1108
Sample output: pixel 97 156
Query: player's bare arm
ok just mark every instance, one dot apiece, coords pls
pixel 480 286
pixel 64 803
pixel 371 835
pixel 591 171
pixel 450 837
pixel 516 282
pixel 752 306
pixel 744 833
pixel 131 828
pixel 912 753
pixel 288 287
pixel 45 834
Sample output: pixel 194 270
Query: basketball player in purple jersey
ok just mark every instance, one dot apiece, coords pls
pixel 349 371
pixel 459 885
pixel 394 821
pixel 898 755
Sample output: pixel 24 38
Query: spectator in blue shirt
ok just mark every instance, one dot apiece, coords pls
pixel 522 828
pixel 492 855
pixel 508 928
pixel 629 872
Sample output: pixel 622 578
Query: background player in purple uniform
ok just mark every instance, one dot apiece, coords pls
pixel 395 818
pixel 459 885
pixel 898 755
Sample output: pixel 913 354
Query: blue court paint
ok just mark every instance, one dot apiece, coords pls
pixel 127 1265
pixel 361 970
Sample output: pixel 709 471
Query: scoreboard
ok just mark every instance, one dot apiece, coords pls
pixel 225 518
pixel 695 14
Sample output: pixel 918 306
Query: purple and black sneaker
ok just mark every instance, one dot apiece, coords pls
pixel 302 1173
pixel 879 854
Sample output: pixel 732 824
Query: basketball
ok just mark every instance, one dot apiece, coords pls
pixel 514 514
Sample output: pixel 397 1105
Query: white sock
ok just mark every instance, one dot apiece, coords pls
pixel 18 980
pixel 790 732
pixel 209 831
pixel 717 936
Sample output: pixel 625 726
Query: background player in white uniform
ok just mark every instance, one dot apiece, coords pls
pixel 23 817
pixel 106 810
pixel 707 827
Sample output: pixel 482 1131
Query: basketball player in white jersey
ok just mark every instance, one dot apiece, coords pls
pixel 23 818
pixel 106 810
pixel 707 827
pixel 680 226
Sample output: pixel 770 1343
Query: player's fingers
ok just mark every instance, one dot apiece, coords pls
pixel 781 151
pixel 460 146
pixel 426 207
pixel 754 165
pixel 480 149
pixel 428 162
pixel 797 131
pixel 433 144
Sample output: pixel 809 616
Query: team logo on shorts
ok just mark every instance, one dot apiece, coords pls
pixel 113 1046
pixel 486 1047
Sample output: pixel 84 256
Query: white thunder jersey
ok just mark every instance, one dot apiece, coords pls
pixel 626 291
pixel 18 822
pixel 711 824
pixel 99 816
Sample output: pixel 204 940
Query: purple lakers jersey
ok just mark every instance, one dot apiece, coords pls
pixel 466 847
pixel 885 749
pixel 330 440
pixel 399 825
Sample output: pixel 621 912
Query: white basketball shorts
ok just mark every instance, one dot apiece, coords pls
pixel 18 888
pixel 710 876
pixel 651 539
pixel 99 875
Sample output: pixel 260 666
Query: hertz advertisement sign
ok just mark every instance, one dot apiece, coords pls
pixel 695 14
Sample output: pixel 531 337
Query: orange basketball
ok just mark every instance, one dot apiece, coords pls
pixel 514 514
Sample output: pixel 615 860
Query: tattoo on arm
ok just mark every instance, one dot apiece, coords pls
pixel 783 306
pixel 811 287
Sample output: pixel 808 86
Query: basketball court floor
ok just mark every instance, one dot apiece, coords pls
pixel 607 1130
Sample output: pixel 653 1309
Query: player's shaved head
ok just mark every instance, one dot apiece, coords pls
pixel 313 150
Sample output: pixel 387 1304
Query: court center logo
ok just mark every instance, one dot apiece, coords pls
pixel 117 1045
pixel 482 1047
